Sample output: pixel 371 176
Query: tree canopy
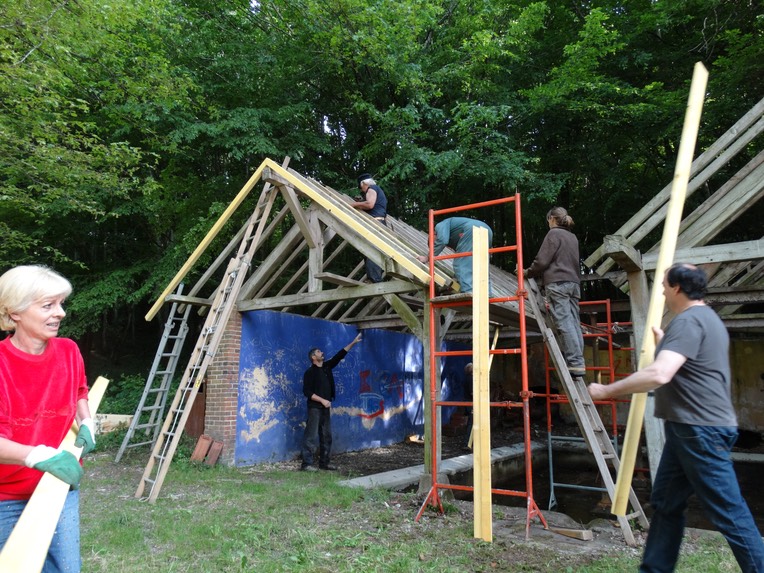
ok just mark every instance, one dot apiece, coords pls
pixel 127 127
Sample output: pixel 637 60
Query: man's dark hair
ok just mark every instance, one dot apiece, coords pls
pixel 311 352
pixel 691 280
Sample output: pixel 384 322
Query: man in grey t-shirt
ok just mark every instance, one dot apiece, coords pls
pixel 691 379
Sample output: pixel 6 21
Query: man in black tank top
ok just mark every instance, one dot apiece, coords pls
pixel 374 201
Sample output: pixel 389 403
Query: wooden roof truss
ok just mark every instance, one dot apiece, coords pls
pixel 736 270
pixel 303 263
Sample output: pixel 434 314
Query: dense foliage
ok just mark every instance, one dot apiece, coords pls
pixel 127 127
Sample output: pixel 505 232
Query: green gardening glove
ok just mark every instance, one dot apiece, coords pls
pixel 60 463
pixel 86 436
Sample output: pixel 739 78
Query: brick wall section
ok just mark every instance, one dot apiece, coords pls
pixel 223 390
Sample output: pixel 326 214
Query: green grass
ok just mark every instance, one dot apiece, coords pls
pixel 271 519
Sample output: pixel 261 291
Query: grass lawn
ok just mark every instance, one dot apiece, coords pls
pixel 268 519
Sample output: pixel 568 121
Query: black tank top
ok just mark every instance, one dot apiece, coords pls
pixel 380 205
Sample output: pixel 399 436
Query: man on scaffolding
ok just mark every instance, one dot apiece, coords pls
pixel 456 232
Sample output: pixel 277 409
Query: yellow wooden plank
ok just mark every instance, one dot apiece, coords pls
pixel 27 546
pixel 483 520
pixel 665 258
pixel 213 232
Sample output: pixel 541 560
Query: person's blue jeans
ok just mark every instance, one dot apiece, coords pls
pixel 463 274
pixel 463 265
pixel 696 459
pixel 563 300
pixel 64 552
pixel 318 436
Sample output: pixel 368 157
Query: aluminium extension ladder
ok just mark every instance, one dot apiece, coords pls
pixel 149 414
pixel 587 416
pixel 201 357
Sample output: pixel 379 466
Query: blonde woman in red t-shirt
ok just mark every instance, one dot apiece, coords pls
pixel 43 390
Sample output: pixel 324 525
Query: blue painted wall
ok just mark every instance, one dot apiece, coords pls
pixel 378 386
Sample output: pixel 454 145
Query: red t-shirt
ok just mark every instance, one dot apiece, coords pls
pixel 38 403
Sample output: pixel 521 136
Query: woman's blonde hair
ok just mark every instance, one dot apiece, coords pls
pixel 21 286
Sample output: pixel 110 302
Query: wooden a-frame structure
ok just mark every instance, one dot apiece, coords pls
pixel 302 264
pixel 736 270
pixel 301 270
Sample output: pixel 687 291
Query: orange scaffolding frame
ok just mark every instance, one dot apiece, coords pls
pixel 437 303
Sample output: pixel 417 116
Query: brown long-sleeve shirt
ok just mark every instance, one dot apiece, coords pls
pixel 558 258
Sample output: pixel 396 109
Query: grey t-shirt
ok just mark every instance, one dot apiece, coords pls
pixel 699 393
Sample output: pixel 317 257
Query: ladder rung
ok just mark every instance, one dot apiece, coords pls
pixel 135 445
pixel 146 425
pixel 150 408
pixel 149 480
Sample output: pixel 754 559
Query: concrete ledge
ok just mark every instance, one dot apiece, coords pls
pixel 406 477
pixel 745 457
pixel 105 423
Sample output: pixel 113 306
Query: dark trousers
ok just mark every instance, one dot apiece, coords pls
pixel 696 459
pixel 318 435
pixel 373 270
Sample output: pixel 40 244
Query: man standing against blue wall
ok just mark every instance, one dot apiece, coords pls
pixel 318 387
